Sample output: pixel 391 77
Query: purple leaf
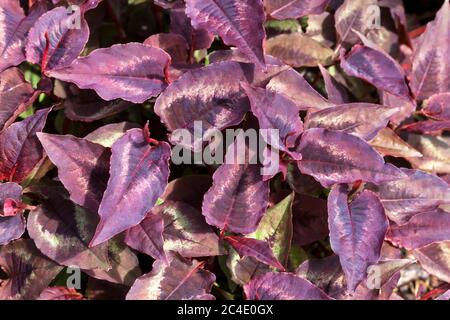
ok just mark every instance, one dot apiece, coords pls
pixel 87 106
pixel 238 198
pixel 15 96
pixel 9 191
pixel 292 84
pixel 388 143
pixel 421 230
pixel 336 92
pixel 377 68
pixel 258 249
pixel 55 40
pixel 363 120
pixel 337 157
pixel 20 150
pixel 430 61
pixel 83 167
pixel 310 219
pixel 14 27
pixel 174 44
pixel 282 286
pixel 124 265
pixel 212 95
pixel 108 134
pixel 62 230
pixel 27 271
pixel 11 228
pixel 428 127
pixel 60 293
pixel 406 107
pixel 147 237
pixel 438 107
pixel 139 174
pixel 353 15
pixel 180 280
pixel 416 193
pixel 435 259
pixel 238 23
pixel 285 118
pixel 293 9
pixel 357 231
pixel 298 50
pixel 134 80
pixel 196 38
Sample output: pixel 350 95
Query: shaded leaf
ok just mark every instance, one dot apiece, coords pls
pixel 180 280
pixel 388 143
pixel 27 271
pixel 108 134
pixel 431 62
pixel 438 107
pixel 83 167
pixel 289 9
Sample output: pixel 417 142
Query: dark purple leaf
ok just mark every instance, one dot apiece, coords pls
pixel 62 230
pixel 174 44
pixel 139 174
pixel 258 249
pixel 293 9
pixel 180 280
pixel 336 92
pixel 377 68
pixel 284 118
pixel 189 189
pixel 27 271
pixel 357 231
pixel 298 50
pixel 416 193
pixel 421 230
pixel 15 96
pixel 238 23
pixel 353 15
pixel 83 167
pixel 337 157
pixel 147 237
pixel 282 286
pixel 291 84
pixel 55 40
pixel 20 150
pixel 363 120
pixel 14 27
pixel 239 196
pixel 310 219
pixel 134 80
pixel 430 61
pixel 438 107
pixel 181 24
